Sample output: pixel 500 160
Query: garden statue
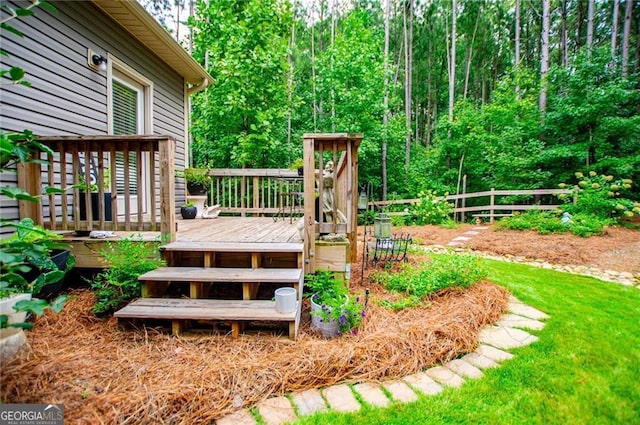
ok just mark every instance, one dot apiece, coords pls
pixel 328 196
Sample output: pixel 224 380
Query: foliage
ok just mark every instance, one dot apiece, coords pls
pixel 241 119
pixel 444 271
pixel 592 120
pixel 601 196
pixel 197 176
pixel 334 300
pixel 547 222
pixel 431 209
pixel 126 260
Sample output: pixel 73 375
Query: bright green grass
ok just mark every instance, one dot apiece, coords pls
pixel 585 369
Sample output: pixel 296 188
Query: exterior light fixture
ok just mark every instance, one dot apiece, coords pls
pixel 96 61
pixel 363 201
pixel 382 226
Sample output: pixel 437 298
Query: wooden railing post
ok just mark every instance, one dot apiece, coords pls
pixel 167 190
pixel 309 205
pixel 30 180
pixel 492 205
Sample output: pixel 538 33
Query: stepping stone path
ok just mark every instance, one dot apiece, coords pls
pixel 495 339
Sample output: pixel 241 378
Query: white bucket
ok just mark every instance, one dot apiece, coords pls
pixel 286 300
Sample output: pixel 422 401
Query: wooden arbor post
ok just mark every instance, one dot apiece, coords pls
pixel 342 149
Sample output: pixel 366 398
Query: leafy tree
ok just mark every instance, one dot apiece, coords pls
pixel 241 119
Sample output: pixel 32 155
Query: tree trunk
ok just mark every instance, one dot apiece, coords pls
pixel 385 115
pixel 614 29
pixel 452 59
pixel 590 13
pixel 290 84
pixel 564 53
pixel 470 54
pixel 626 33
pixel 408 23
pixel 579 24
pixel 517 37
pixel 544 55
pixel 333 39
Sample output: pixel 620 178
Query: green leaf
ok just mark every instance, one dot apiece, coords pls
pixel 22 325
pixel 17 193
pixel 11 29
pixel 4 320
pixel 25 83
pixel 48 6
pixel 35 306
pixel 24 12
pixel 52 190
pixel 16 73
pixel 57 304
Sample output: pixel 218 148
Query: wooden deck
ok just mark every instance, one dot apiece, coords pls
pixel 223 230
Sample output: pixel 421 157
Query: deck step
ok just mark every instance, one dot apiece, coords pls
pixel 179 310
pixel 234 246
pixel 215 274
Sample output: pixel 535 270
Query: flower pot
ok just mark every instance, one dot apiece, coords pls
pixel 188 213
pixel 286 301
pixel 197 189
pixel 328 329
pixel 95 211
pixel 59 258
pixel 6 307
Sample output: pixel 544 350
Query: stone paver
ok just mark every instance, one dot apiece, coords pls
pixel 517 321
pixel 505 338
pixel 421 382
pixel 479 361
pixel 464 369
pixel 372 394
pixel 471 233
pixel 400 391
pixel 461 239
pixel 309 402
pixel 241 417
pixel 276 411
pixel 445 376
pixel 526 311
pixel 493 353
pixel 341 398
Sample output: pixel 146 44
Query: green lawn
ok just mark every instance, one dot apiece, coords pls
pixel 585 369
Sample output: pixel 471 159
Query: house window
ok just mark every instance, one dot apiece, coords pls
pixel 130 99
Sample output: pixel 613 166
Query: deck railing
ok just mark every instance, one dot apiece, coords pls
pixel 256 191
pixel 109 183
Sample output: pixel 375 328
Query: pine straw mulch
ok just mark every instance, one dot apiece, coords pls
pixel 105 375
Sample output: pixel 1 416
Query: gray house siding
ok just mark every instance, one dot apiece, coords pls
pixel 67 96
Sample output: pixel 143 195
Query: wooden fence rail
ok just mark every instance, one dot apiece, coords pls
pixel 493 209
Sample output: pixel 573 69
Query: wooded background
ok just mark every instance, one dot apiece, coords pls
pixel 515 94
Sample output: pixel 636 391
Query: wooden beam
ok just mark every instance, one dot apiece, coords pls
pixel 30 180
pixel 167 190
pixel 309 203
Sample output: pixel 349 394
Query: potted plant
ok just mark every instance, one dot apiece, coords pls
pixel 197 180
pixel 298 165
pixel 188 211
pixel 333 311
pixel 93 188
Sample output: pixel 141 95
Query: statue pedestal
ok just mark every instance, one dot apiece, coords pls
pixel 198 202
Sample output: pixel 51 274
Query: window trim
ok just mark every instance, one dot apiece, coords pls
pixel 130 73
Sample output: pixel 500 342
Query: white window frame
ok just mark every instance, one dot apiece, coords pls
pixel 124 74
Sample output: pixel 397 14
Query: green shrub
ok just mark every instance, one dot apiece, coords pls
pixel 444 271
pixel 430 209
pixel 601 196
pixel 126 259
pixel 547 222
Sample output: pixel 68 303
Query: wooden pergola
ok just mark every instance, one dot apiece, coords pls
pixel 342 149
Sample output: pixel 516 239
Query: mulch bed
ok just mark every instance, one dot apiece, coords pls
pixel 105 375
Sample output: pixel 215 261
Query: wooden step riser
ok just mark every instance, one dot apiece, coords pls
pixel 158 289
pixel 233 259
pixel 179 311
